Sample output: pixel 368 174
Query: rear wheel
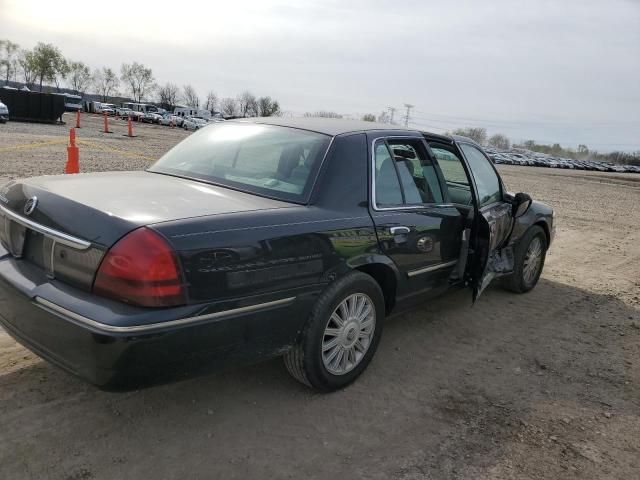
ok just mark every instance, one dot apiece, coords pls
pixel 530 254
pixel 341 335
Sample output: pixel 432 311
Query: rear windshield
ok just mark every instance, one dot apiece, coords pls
pixel 274 161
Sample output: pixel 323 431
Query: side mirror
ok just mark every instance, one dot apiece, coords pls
pixel 520 204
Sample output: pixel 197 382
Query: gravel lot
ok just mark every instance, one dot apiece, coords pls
pixel 542 385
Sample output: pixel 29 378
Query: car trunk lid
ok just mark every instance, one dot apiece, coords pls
pixel 65 224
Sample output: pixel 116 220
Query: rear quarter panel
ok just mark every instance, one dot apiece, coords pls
pixel 297 249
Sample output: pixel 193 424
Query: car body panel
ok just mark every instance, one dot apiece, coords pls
pixel 102 207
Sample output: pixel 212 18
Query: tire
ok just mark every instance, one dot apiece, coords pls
pixel 305 361
pixel 521 281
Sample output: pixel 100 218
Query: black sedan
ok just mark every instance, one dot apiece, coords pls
pixel 257 238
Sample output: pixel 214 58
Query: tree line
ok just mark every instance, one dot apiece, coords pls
pixel 46 65
pixel 502 142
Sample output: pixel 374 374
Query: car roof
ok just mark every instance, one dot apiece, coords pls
pixel 328 126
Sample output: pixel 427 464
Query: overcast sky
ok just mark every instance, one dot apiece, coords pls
pixel 565 71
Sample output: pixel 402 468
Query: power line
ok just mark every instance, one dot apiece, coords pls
pixel 392 111
pixel 406 118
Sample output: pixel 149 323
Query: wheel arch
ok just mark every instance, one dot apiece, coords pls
pixel 545 227
pixel 386 277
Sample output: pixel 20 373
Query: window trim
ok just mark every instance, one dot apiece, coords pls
pixel 372 183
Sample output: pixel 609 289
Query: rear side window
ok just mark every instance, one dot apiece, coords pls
pixel 405 175
pixel 388 193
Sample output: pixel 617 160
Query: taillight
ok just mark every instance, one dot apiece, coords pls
pixel 141 269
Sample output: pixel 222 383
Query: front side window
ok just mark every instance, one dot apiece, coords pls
pixel 453 172
pixel 487 181
pixel 405 175
pixel 268 160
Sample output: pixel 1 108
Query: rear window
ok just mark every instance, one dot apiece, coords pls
pixel 268 160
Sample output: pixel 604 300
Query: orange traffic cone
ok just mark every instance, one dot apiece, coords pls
pixel 78 119
pixel 73 154
pixel 129 128
pixel 106 123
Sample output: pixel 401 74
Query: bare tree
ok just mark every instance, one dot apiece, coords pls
pixel 138 79
pixel 168 95
pixel 384 117
pixel 499 141
pixel 476 134
pixel 323 114
pixel 106 82
pixel 369 117
pixel 247 104
pixel 9 58
pixel 229 107
pixel 212 101
pixel 268 107
pixel 190 96
pixel 79 76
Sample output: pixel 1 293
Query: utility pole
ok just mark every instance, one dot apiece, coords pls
pixel 392 111
pixel 406 117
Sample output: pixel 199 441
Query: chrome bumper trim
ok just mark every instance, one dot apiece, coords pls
pixel 151 327
pixel 60 237
pixel 432 268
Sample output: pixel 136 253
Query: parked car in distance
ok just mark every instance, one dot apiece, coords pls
pixel 530 158
pixel 151 117
pixel 123 112
pixel 108 108
pixel 4 113
pixel 170 119
pixel 194 123
pixel 257 238
pixel 136 115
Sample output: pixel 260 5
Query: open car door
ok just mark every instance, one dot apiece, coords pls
pixel 493 221
pixel 492 227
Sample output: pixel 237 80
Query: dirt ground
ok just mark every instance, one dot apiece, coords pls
pixel 541 385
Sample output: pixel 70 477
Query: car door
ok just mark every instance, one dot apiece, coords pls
pixel 493 223
pixel 416 226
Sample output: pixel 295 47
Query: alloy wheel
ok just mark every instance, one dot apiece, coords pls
pixel 348 334
pixel 532 260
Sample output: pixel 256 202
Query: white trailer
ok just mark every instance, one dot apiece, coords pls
pixel 182 111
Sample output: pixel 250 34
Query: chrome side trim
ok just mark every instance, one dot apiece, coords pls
pixel 59 237
pixel 432 268
pixel 148 328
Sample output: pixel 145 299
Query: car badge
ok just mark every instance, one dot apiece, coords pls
pixel 30 206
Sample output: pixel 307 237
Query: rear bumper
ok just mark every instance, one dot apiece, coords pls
pixel 120 347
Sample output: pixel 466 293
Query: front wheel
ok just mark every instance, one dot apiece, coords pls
pixel 530 254
pixel 341 334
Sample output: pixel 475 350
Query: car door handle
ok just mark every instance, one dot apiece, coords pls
pixel 399 230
